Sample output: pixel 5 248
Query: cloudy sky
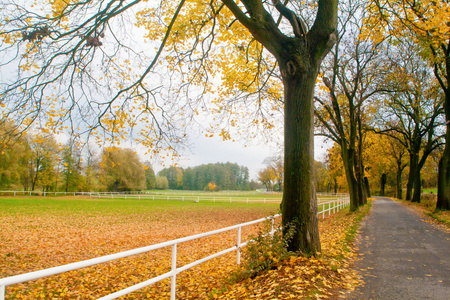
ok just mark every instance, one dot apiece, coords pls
pixel 213 150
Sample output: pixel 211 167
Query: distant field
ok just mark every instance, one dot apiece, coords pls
pixel 42 232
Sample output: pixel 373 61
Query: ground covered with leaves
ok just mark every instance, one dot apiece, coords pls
pixel 298 277
pixel 42 233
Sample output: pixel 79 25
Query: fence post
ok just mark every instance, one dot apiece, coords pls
pixel 271 230
pixel 173 279
pixel 2 292
pixel 238 245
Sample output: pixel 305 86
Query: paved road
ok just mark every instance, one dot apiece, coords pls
pixel 401 256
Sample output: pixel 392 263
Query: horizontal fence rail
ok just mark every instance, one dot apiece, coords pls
pixel 330 207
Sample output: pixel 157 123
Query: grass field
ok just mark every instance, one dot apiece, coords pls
pixel 40 232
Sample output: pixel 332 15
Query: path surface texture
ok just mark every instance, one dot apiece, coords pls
pixel 401 256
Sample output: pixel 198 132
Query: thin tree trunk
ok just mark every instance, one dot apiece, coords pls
pixel 383 184
pixel 299 206
pixel 399 181
pixel 413 165
pixel 335 185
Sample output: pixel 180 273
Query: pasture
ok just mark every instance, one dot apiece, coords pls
pixel 43 232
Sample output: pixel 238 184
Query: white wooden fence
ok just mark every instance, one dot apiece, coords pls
pixel 331 206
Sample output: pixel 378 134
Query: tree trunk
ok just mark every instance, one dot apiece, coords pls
pixel 443 197
pixel 413 166
pixel 335 186
pixel 348 159
pixel 366 184
pixel 417 188
pixel 299 206
pixel 383 184
pixel 399 181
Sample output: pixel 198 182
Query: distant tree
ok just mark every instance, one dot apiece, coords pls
pixel 267 178
pixel 174 176
pixel 43 160
pixel 276 164
pixel 91 171
pixel 336 168
pixel 121 170
pixel 323 177
pixel 425 23
pixel 162 183
pixel 413 112
pixel 189 179
pixel 212 187
pixel 351 76
pixel 150 177
pixel 72 167
pixel 14 152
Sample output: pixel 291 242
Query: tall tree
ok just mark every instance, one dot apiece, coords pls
pixel 72 162
pixel 350 80
pixel 412 112
pixel 275 163
pixel 43 160
pixel 74 42
pixel 150 177
pixel 425 23
pixel 14 152
pixel 121 170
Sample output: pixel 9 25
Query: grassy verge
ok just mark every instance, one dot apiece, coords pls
pixel 303 277
pixel 427 206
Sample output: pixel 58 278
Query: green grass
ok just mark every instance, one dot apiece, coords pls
pixel 430 190
pixel 39 205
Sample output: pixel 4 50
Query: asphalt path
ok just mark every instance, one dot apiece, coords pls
pixel 401 256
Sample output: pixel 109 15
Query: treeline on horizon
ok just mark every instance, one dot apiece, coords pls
pixel 32 161
pixel 211 177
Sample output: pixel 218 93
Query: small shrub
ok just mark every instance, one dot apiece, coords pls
pixel 428 200
pixel 264 252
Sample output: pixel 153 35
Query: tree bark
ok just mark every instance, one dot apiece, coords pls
pixel 443 197
pixel 383 184
pixel 349 162
pixel 413 166
pixel 417 188
pixel 399 180
pixel 299 206
pixel 366 185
